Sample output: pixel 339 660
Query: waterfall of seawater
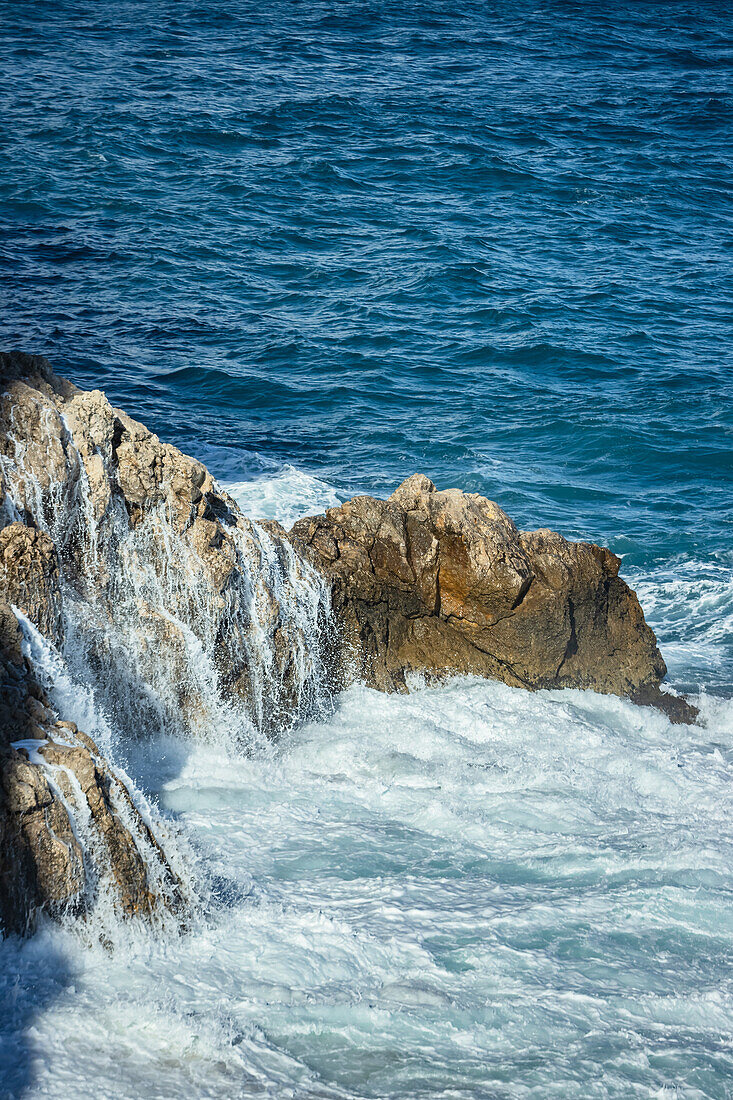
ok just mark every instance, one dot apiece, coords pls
pixel 146 627
pixel 77 703
pixel 148 642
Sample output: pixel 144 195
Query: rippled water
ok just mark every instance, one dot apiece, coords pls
pixel 321 247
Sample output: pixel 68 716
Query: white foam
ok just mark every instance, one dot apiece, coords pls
pixel 288 496
pixel 467 891
pixel 690 605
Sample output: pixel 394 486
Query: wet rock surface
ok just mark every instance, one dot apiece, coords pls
pixel 443 582
pixel 29 577
pixel 68 826
pixel 159 567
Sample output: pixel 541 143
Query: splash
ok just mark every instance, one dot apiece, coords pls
pixel 167 645
pixel 287 496
pixel 122 853
pixel 689 602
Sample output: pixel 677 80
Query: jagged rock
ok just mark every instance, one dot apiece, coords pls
pixel 29 577
pixel 443 582
pixel 41 861
pixel 58 773
pixel 161 570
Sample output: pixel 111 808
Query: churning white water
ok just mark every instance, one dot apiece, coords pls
pixel 467 892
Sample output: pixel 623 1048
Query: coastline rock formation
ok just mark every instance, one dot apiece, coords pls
pixel 69 829
pixel 148 584
pixel 443 582
pixel 165 584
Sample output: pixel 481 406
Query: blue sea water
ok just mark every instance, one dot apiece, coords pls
pixel 322 246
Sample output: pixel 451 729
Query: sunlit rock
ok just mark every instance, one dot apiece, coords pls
pixel 443 582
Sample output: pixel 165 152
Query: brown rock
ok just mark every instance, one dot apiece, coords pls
pixel 443 582
pixel 29 577
pixel 43 866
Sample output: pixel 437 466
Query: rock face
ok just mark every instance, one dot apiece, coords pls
pixel 29 576
pixel 69 829
pixel 443 582
pixel 165 583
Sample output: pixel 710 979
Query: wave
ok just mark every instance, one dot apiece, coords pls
pixel 286 497
pixel 689 603
pixel 434 894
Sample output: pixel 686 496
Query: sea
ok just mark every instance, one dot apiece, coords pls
pixel 322 246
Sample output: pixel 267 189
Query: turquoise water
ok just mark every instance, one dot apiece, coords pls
pixel 323 246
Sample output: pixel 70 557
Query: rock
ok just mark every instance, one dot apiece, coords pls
pixel 29 577
pixel 165 583
pixel 68 826
pixel 156 591
pixel 441 583
pixel 41 861
pixel 131 561
pixel 678 709
pixel 187 609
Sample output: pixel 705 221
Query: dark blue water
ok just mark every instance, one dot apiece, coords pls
pixel 492 244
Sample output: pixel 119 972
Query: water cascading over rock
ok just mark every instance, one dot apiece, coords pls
pixel 72 838
pixel 186 615
pixel 181 615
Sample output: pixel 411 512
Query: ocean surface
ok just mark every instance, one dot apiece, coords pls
pixel 323 246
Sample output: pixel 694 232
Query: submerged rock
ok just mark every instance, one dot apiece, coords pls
pixel 443 582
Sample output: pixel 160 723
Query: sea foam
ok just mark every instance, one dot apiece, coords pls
pixel 463 891
pixel 470 890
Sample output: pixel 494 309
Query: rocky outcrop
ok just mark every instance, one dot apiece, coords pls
pixel 71 836
pixel 191 607
pixel 443 582
pixel 69 829
pixel 149 584
pixel 161 570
